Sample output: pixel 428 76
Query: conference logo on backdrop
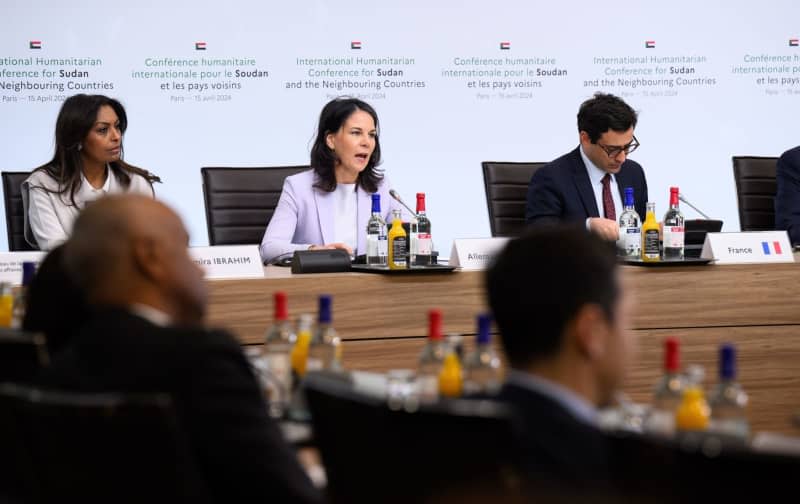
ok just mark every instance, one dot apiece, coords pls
pixel 200 46
pixel 505 46
pixel 793 42
pixel 35 44
pixel 356 44
pixel 649 44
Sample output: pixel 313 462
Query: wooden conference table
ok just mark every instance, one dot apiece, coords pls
pixel 382 321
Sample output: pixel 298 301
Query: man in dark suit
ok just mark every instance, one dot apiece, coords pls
pixel 129 254
pixel 557 298
pixel 787 197
pixel 587 185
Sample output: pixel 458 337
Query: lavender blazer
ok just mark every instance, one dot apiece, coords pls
pixel 305 216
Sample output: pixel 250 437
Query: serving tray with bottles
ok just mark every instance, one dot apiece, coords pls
pixel 686 261
pixel 432 268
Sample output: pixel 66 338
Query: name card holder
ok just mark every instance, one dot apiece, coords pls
pixel 11 265
pixel 475 253
pixel 748 247
pixel 229 261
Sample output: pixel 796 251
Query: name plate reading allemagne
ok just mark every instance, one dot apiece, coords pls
pixel 229 261
pixel 475 253
pixel 749 247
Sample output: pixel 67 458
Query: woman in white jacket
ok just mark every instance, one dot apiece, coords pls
pixel 87 164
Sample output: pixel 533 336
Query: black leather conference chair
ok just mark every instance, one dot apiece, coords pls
pixel 240 201
pixel 22 355
pixel 71 447
pixel 15 214
pixel 506 187
pixel 755 191
pixel 372 453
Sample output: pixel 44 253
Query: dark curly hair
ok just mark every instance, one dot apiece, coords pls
pixel 604 112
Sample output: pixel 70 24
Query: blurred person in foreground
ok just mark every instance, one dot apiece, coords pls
pixel 559 303
pixel 55 306
pixel 145 335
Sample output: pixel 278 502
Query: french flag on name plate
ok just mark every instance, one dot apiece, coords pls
pixel 649 44
pixel 793 42
pixel 35 44
pixel 356 44
pixel 772 248
pixel 200 46
pixel 505 46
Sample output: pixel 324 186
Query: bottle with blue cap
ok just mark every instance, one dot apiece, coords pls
pixel 377 243
pixel 482 372
pixel 324 351
pixel 728 400
pixel 630 229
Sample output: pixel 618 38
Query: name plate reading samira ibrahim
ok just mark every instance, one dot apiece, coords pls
pixel 229 261
pixel 11 265
pixel 750 247
pixel 475 253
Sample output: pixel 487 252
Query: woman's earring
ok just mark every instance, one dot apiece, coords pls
pixel 80 146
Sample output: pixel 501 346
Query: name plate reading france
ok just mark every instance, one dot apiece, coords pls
pixel 11 265
pixel 229 261
pixel 475 253
pixel 751 247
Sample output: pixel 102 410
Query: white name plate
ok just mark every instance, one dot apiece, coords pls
pixel 475 253
pixel 229 261
pixel 748 247
pixel 11 265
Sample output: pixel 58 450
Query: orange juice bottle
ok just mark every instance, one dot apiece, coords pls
pixel 650 238
pixel 6 305
pixel 299 353
pixel 693 414
pixel 450 377
pixel 398 243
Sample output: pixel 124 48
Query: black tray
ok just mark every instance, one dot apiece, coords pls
pixel 433 268
pixel 687 261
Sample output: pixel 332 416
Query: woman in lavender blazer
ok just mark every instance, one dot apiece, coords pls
pixel 328 206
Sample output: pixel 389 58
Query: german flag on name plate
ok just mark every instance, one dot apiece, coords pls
pixel 505 46
pixel 793 42
pixel 649 44
pixel 356 44
pixel 35 44
pixel 199 46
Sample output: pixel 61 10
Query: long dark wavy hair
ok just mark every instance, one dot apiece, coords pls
pixel 75 120
pixel 323 159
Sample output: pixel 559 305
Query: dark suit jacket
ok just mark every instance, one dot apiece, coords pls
pixel 558 448
pixel 787 197
pixel 238 448
pixel 561 190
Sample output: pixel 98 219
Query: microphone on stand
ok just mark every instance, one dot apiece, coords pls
pixel 397 197
pixel 682 198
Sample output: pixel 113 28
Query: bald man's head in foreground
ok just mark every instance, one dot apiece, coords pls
pixel 129 249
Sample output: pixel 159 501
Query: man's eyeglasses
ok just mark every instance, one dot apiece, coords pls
pixel 613 151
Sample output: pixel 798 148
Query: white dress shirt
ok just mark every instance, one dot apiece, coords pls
pixel 346 219
pixel 152 315
pixel 49 216
pixel 596 179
